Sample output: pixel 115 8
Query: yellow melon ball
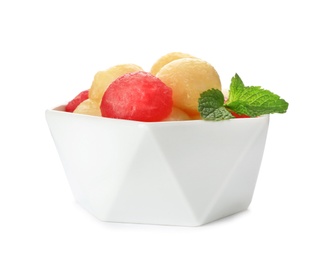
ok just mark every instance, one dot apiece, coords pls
pixel 88 107
pixel 188 78
pixel 166 59
pixel 103 79
pixel 177 115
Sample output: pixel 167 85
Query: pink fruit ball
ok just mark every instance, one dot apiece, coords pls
pixel 137 96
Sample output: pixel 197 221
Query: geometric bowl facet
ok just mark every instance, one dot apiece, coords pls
pixel 185 173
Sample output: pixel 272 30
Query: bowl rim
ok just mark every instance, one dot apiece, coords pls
pixel 61 110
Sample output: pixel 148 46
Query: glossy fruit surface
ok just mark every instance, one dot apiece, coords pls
pixel 137 96
pixel 188 77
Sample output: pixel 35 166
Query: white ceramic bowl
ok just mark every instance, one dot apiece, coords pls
pixel 184 173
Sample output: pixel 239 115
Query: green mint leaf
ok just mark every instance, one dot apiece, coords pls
pixel 235 87
pixel 219 114
pixel 253 101
pixel 211 106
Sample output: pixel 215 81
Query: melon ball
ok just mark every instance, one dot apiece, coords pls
pixel 88 107
pixel 103 79
pixel 165 59
pixel 188 78
pixel 137 96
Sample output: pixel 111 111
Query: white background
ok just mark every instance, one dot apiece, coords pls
pixel 50 50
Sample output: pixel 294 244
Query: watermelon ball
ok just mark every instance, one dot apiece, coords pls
pixel 137 96
pixel 72 105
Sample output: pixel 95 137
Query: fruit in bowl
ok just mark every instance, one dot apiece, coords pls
pixel 149 148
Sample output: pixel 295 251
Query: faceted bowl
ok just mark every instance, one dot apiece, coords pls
pixel 185 173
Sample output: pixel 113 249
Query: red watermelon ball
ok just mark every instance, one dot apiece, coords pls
pixel 137 96
pixel 72 105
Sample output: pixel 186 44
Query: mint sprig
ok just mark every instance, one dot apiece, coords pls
pixel 211 106
pixel 252 101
